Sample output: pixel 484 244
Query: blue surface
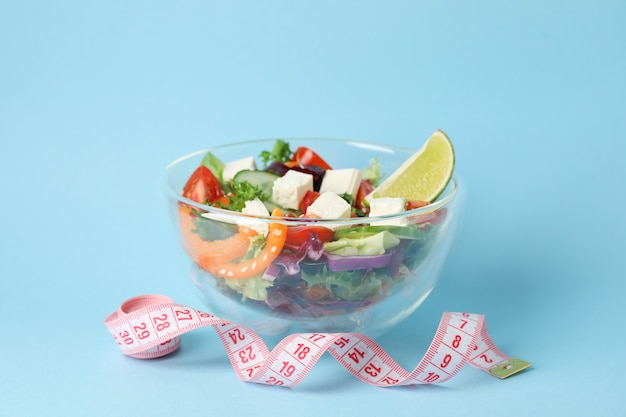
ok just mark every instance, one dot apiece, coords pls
pixel 97 97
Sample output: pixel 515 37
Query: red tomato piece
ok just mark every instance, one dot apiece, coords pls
pixel 306 156
pixel 297 235
pixel 308 199
pixel 203 186
pixel 365 188
pixel 413 204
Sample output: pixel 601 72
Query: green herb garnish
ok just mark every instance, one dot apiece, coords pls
pixel 279 153
pixel 242 192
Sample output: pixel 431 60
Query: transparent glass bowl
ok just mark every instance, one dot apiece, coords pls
pixel 371 297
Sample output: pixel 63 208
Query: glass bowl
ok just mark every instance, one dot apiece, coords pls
pixel 311 290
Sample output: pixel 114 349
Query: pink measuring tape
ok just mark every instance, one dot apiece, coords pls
pixel 151 326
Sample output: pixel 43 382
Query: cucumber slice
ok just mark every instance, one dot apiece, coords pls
pixel 262 179
pixel 270 205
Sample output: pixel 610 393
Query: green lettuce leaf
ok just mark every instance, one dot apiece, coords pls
pixel 350 285
pixel 214 164
pixel 254 288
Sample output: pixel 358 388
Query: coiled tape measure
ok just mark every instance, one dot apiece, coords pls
pixel 150 326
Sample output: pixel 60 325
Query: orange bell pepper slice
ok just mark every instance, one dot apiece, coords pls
pixel 208 254
pixel 277 234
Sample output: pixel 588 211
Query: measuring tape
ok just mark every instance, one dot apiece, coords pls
pixel 150 326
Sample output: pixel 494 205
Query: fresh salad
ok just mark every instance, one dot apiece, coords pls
pixel 311 268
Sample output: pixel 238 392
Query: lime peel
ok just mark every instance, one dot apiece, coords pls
pixel 424 175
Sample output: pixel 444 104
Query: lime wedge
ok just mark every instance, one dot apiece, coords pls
pixel 424 175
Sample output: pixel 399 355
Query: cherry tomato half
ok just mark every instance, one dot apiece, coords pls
pixel 308 199
pixel 365 188
pixel 413 204
pixel 202 186
pixel 306 156
pixel 297 235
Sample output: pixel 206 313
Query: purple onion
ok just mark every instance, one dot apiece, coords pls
pixel 350 263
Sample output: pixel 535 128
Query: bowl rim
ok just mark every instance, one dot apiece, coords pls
pixel 447 196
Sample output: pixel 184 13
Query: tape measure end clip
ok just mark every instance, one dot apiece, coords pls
pixel 509 367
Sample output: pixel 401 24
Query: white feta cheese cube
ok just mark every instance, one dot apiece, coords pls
pixel 289 189
pixel 232 168
pixel 388 205
pixel 342 181
pixel 255 208
pixel 330 206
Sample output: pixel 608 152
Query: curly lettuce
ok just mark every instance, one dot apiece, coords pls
pixel 356 285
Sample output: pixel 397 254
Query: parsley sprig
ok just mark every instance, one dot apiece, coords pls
pixel 242 192
pixel 279 153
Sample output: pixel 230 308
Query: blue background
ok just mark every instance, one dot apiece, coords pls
pixel 96 98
